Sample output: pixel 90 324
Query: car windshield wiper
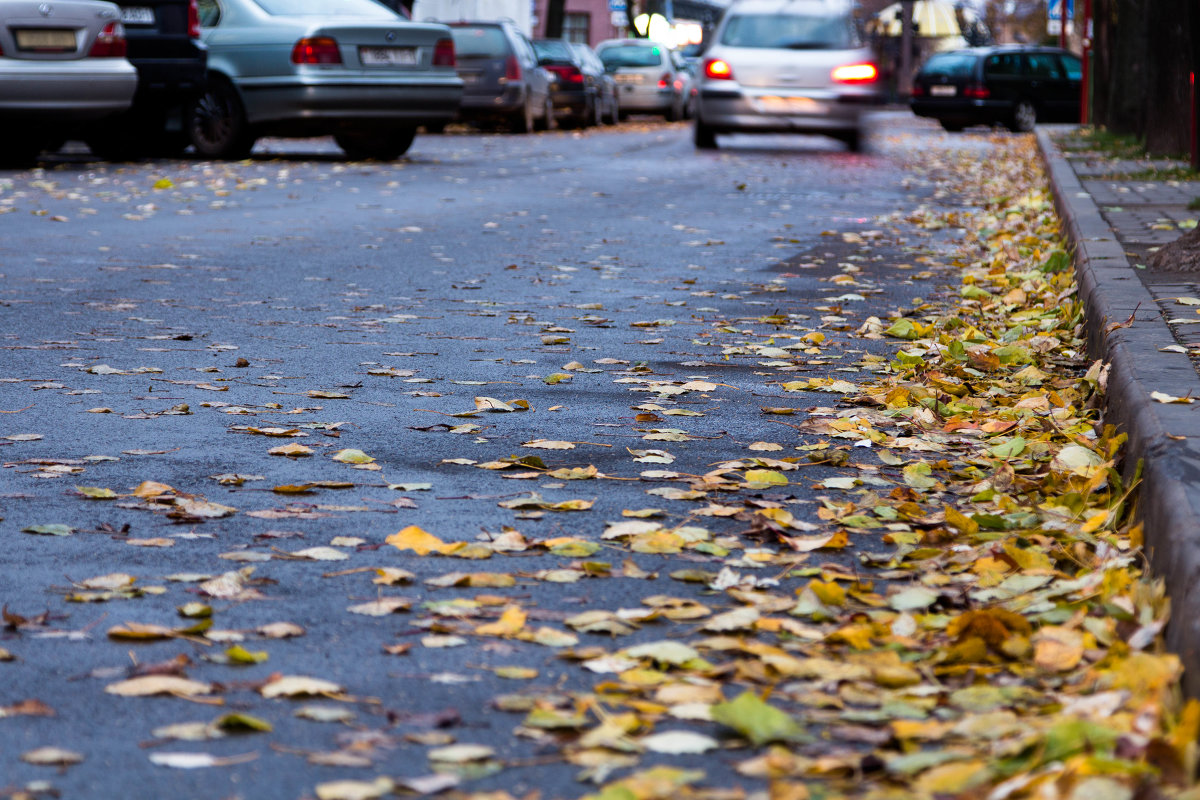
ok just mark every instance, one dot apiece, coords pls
pixel 806 45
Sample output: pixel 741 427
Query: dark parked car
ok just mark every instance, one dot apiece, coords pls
pixel 579 83
pixel 1010 85
pixel 608 92
pixel 502 81
pixel 164 45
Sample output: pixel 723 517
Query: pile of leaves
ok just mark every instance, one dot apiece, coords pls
pixel 964 611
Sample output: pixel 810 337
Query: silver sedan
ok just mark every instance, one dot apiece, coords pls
pixel 350 68
pixel 62 64
pixel 778 66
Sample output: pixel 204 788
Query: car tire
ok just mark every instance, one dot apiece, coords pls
pixel 951 127
pixel 548 121
pixel 1024 117
pixel 615 111
pixel 217 123
pixel 20 153
pixel 703 136
pixel 523 121
pixel 385 145
pixel 673 114
pixel 853 139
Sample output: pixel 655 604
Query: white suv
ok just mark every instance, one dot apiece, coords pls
pixel 786 66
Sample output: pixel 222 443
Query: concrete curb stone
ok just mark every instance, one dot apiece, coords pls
pixel 1169 496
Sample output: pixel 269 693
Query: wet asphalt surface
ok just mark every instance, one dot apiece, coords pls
pixel 478 266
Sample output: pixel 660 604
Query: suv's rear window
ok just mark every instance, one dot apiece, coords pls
pixel 951 65
pixel 789 31
pixel 486 42
pixel 552 49
pixel 326 8
pixel 630 55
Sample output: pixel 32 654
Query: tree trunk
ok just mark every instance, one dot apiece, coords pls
pixel 1181 255
pixel 555 11
pixel 1128 77
pixel 1104 20
pixel 1166 95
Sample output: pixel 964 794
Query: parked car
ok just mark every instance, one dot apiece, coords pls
pixel 350 68
pixel 1010 85
pixel 578 82
pixel 502 81
pixel 607 93
pixel 647 76
pixel 61 68
pixel 171 62
pixel 786 66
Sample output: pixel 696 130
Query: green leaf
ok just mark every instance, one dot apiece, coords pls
pixel 49 530
pixel 757 721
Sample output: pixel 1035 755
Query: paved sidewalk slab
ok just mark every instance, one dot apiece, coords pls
pixel 1128 315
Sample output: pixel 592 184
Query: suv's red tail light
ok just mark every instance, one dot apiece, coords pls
pixel 855 73
pixel 917 90
pixel 718 69
pixel 977 92
pixel 566 73
pixel 110 43
pixel 193 19
pixel 512 69
pixel 316 50
pixel 664 80
pixel 443 53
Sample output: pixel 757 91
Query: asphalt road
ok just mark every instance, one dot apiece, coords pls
pixel 358 305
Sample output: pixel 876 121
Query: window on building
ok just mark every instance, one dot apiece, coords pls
pixel 576 27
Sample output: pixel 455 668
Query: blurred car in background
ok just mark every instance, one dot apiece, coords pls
pixel 350 68
pixel 580 84
pixel 1011 85
pixel 62 67
pixel 786 66
pixel 165 48
pixel 502 81
pixel 646 75
pixel 608 108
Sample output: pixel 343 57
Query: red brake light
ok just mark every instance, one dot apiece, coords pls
pixel 664 80
pixel 917 90
pixel 193 19
pixel 856 73
pixel 443 53
pixel 718 70
pixel 110 43
pixel 977 92
pixel 512 69
pixel 316 50
pixel 566 73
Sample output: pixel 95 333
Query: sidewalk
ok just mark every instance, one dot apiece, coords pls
pixel 1146 326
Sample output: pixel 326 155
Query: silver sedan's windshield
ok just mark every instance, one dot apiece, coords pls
pixel 789 31
pixel 326 8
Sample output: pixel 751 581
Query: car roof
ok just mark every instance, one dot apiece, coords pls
pixel 793 6
pixel 1005 48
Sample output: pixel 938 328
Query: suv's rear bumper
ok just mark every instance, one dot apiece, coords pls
pixel 963 110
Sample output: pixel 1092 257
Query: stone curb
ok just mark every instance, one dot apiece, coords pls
pixel 1169 496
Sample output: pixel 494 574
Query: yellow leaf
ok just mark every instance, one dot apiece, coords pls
pixel 95 492
pixel 510 623
pixel 351 456
pixel 416 539
pixel 1058 649
pixel 767 477
pixel 148 489
pixel 291 450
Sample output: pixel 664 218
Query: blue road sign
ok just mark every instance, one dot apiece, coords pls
pixel 1056 9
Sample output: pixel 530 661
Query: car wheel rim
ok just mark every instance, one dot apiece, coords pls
pixel 214 119
pixel 1026 116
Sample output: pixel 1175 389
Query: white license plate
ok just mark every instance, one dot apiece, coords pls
pixel 387 56
pixel 943 91
pixel 58 40
pixel 790 105
pixel 137 15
